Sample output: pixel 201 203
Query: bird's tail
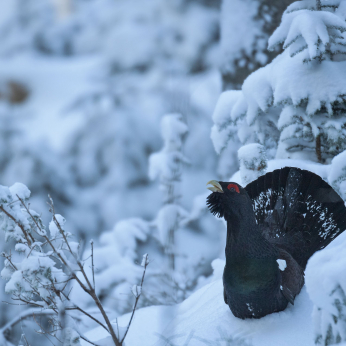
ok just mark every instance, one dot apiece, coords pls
pixel 297 210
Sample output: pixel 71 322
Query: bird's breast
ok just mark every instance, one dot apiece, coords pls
pixel 246 275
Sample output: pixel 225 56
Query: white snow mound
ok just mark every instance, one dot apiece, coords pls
pixel 204 315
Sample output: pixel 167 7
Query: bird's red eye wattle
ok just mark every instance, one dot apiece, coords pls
pixel 233 187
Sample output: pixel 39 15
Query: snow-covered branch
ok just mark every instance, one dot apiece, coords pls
pixel 166 166
pixel 320 32
pixel 42 277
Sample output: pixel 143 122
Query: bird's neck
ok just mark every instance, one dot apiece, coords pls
pixel 241 228
pixel 243 236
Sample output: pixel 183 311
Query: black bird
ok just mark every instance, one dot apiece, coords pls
pixel 274 225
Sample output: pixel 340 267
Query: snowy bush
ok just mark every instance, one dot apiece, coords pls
pixel 295 105
pixel 337 174
pixel 326 285
pixel 116 268
pixel 42 275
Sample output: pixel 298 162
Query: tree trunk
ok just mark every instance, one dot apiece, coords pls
pixel 318 148
pixel 318 5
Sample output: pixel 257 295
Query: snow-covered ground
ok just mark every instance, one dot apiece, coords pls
pixel 204 315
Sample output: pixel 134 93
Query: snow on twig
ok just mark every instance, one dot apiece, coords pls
pixel 38 282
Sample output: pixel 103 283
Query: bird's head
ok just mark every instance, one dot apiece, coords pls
pixel 227 199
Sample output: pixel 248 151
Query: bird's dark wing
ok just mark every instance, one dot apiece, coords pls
pixel 297 210
pixel 292 277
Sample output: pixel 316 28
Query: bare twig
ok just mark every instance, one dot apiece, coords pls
pixel 145 263
pixel 46 332
pixel 26 314
pixel 90 290
pixel 88 315
pixel 87 340
pixel 92 261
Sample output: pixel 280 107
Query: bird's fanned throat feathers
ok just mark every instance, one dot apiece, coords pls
pixel 274 225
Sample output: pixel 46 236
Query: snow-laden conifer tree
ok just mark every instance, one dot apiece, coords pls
pixel 295 108
pixel 313 116
pixel 166 166
pixel 295 105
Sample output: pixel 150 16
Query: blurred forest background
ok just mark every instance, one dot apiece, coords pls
pixel 84 85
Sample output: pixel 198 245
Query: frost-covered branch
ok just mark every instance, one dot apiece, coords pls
pixel 42 277
pixel 319 33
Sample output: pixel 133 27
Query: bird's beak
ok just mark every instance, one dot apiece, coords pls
pixel 216 186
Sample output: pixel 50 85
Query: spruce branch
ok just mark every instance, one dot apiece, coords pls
pixel 92 261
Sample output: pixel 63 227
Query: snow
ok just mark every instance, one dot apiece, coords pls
pixel 48 101
pixel 53 228
pixel 286 81
pixel 125 235
pixel 100 75
pixel 323 274
pixel 5 194
pixel 253 162
pixel 291 81
pixel 220 133
pixel 326 285
pixel 166 164
pixel 312 26
pixel 317 168
pixel 238 30
pixel 282 264
pixel 20 190
pixel 205 315
pixel 337 174
pixel 71 337
pixel 168 218
pixel 145 260
pixel 173 129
